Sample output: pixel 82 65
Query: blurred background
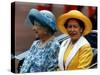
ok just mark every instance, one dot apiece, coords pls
pixel 24 35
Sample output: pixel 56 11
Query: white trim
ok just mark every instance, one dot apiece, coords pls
pixel 63 47
pixel 61 53
pixel 82 41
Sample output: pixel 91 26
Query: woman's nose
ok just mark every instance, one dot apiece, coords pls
pixel 72 28
pixel 34 28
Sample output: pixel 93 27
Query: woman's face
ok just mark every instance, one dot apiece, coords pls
pixel 74 30
pixel 39 30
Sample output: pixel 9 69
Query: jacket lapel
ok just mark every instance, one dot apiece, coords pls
pixel 82 41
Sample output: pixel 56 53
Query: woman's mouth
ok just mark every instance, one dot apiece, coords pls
pixel 73 34
pixel 35 32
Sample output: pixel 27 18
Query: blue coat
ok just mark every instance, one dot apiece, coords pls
pixel 41 59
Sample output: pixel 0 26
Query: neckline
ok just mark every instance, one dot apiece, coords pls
pixel 42 45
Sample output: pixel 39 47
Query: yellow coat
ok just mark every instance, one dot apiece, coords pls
pixel 82 58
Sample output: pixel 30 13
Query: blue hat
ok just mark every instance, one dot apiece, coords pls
pixel 44 17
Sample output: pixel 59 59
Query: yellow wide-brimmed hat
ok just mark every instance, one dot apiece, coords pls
pixel 74 14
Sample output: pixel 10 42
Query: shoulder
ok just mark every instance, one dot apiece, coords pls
pixel 55 43
pixel 86 44
pixel 35 42
pixel 65 42
pixel 86 49
pixel 54 46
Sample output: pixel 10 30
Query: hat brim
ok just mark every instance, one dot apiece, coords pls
pixel 74 14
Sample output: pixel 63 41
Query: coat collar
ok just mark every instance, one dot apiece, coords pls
pixel 82 41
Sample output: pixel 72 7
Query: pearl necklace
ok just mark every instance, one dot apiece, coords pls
pixel 42 45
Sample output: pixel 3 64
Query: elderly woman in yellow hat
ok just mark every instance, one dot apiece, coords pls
pixel 75 52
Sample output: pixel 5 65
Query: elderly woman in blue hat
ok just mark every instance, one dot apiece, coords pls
pixel 43 52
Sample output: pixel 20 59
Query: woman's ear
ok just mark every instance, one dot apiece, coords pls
pixel 81 30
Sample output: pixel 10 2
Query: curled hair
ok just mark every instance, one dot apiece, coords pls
pixel 49 30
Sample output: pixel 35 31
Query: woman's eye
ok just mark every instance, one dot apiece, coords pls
pixel 69 26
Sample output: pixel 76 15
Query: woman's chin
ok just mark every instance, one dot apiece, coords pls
pixel 74 38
